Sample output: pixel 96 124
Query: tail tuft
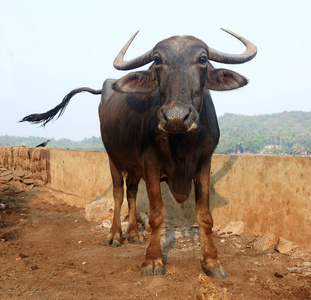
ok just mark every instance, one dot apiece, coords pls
pixel 46 117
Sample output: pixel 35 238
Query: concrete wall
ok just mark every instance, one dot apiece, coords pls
pixel 267 193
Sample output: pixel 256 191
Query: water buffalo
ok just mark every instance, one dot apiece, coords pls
pixel 160 125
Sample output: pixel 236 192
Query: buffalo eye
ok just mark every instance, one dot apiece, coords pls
pixel 157 60
pixel 202 60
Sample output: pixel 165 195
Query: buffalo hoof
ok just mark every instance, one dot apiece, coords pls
pixel 107 243
pixel 216 273
pixel 113 239
pixel 135 236
pixel 137 240
pixel 112 243
pixel 152 267
pixel 214 269
pixel 147 271
pixel 116 244
pixel 159 271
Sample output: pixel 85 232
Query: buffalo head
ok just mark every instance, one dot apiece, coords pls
pixel 181 71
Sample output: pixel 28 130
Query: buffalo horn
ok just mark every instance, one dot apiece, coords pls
pixel 137 62
pixel 250 53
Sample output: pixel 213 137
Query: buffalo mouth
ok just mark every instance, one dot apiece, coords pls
pixel 178 129
pixel 178 119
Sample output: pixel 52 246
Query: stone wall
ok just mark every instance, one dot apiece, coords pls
pixel 33 160
pixel 267 193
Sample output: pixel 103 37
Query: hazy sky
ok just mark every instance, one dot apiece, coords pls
pixel 48 48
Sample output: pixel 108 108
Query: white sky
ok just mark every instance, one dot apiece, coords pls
pixel 48 48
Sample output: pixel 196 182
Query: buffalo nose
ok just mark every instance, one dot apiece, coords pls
pixel 176 114
pixel 177 119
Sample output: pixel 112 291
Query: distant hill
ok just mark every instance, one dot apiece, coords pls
pixel 92 143
pixel 281 133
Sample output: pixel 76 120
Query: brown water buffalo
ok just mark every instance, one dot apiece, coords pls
pixel 160 125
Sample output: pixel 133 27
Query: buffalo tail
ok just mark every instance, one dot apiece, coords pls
pixel 46 117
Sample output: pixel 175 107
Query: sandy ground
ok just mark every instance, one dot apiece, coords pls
pixel 49 251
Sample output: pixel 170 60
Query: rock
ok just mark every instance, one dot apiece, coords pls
pixel 278 275
pixel 22 255
pixel 178 235
pixel 6 178
pixel 253 279
pixel 177 223
pixel 172 270
pixel 143 217
pixel 2 206
pixel 29 187
pixel 28 181
pixel 19 186
pixel 106 224
pixel 265 242
pixel 94 211
pixel 246 238
pixel 124 226
pixel 4 187
pixel 196 225
pixel 166 224
pixel 102 209
pixel 233 228
pixel 5 173
pixel 18 180
pixel 11 235
pixel 215 228
pixel 306 264
pixel 19 173
pixel 237 245
pixel 209 291
pixel 304 269
pixel 284 246
pixel 294 270
pixel 172 235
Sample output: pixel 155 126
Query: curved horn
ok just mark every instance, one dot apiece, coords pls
pixel 142 60
pixel 250 53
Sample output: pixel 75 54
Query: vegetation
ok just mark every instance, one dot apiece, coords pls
pixel 287 133
pixel 281 133
pixel 92 143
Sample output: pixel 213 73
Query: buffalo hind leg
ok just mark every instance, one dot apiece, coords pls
pixel 153 260
pixel 209 259
pixel 135 236
pixel 114 237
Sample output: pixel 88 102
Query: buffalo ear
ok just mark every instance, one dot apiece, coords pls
pixel 136 82
pixel 224 80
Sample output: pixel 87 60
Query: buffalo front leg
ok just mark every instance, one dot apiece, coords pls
pixel 135 236
pixel 209 258
pixel 153 260
pixel 114 237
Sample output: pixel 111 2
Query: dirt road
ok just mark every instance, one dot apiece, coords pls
pixel 49 251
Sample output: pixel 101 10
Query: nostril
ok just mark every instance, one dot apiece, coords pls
pixel 165 117
pixel 187 115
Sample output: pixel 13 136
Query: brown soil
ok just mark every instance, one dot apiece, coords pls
pixel 49 251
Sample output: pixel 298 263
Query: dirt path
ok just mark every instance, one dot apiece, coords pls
pixel 49 251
